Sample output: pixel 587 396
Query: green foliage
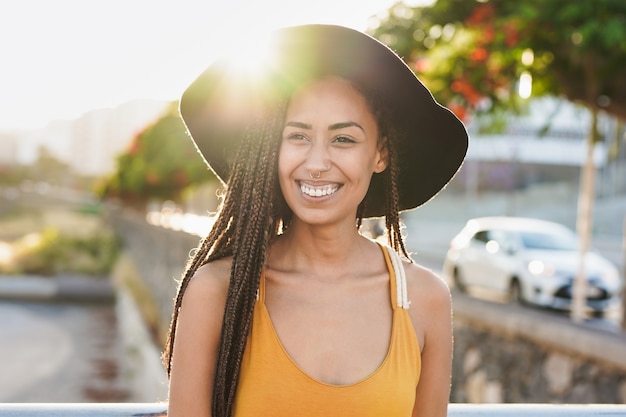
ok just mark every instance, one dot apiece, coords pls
pixel 469 53
pixel 48 240
pixel 46 168
pixel 160 163
pixel 51 252
pixel 12 175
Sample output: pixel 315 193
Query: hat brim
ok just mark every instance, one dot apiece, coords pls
pixel 432 142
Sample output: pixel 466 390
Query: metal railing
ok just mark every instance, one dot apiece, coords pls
pixel 454 410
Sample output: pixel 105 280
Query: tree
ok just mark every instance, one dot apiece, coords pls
pixel 159 163
pixel 473 55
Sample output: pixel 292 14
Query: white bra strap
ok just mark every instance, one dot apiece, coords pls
pixel 402 296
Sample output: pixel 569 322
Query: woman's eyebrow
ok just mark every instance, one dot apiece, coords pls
pixel 299 125
pixel 343 125
pixel 334 126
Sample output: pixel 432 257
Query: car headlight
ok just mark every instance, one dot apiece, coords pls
pixel 537 267
pixel 610 276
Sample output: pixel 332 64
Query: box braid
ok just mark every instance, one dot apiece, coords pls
pixel 245 224
pixel 388 138
pixel 392 210
pixel 251 214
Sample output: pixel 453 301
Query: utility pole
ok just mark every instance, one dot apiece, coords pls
pixel 586 198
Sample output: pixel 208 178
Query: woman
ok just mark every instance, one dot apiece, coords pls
pixel 285 308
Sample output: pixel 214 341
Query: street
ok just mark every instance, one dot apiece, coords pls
pixel 60 353
pixel 74 352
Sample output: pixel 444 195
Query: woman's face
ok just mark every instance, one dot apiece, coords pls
pixel 329 151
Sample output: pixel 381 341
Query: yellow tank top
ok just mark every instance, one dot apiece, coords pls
pixel 272 385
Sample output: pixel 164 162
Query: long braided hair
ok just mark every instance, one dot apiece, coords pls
pixel 251 214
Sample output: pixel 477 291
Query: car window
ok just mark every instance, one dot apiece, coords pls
pixel 548 241
pixel 498 235
pixel 482 236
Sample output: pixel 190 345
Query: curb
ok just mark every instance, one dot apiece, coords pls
pixel 67 288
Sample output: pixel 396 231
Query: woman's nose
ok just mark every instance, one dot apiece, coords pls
pixel 318 158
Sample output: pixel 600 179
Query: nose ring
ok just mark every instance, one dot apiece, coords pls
pixel 317 176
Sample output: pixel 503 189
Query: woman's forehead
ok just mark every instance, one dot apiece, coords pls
pixel 332 91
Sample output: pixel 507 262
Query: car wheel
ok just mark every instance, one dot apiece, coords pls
pixel 598 314
pixel 515 292
pixel 458 281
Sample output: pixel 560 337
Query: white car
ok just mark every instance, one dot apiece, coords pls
pixel 531 260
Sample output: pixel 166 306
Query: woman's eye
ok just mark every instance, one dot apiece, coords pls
pixel 344 139
pixel 296 137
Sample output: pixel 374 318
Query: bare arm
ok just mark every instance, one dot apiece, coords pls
pixel 197 337
pixel 431 313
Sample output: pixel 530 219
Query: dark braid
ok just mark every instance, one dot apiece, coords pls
pixel 392 215
pixel 388 137
pixel 252 230
pixel 245 224
pixel 359 214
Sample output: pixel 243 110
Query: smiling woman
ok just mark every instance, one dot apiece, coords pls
pixel 286 308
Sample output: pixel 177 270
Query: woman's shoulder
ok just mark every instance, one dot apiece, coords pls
pixel 425 286
pixel 198 332
pixel 430 306
pixel 210 280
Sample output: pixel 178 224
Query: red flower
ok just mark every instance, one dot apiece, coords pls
pixel 135 146
pixel 479 55
pixel 421 65
pixel 511 34
pixel 464 88
pixel 481 14
pixel 458 110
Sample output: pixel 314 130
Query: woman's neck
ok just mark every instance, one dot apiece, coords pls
pixel 316 248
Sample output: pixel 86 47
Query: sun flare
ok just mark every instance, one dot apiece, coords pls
pixel 250 54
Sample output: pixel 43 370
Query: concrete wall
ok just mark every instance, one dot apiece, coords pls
pixel 517 354
pixel 159 256
pixel 502 353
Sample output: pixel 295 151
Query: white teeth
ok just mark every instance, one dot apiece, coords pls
pixel 318 191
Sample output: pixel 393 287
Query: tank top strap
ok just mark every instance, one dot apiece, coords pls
pixel 260 292
pixel 397 281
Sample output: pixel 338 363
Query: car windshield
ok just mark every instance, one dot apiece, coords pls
pixel 548 241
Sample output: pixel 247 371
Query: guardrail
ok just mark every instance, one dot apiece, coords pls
pixel 454 410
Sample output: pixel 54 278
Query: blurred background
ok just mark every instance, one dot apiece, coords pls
pixel 102 195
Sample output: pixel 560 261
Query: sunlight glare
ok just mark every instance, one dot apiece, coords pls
pixel 492 247
pixel 525 85
pixel 250 55
pixel 89 66
pixel 6 253
pixel 528 57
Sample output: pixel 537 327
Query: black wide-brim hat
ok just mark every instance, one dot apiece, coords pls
pixel 432 141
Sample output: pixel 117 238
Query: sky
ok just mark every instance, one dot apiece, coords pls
pixel 62 58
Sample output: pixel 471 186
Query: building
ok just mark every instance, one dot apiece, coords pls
pixel 100 135
pixel 8 148
pixel 88 144
pixel 548 142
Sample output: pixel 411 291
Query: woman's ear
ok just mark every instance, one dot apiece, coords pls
pixel 382 156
